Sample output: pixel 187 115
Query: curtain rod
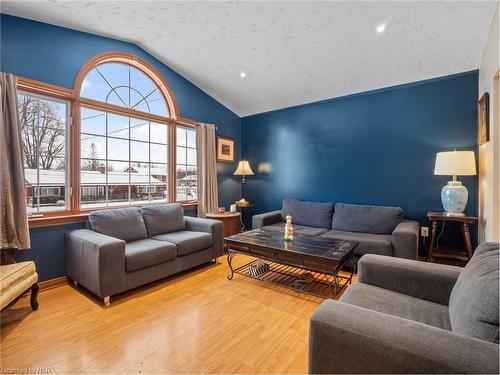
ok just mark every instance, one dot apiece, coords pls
pixel 191 123
pixel 216 127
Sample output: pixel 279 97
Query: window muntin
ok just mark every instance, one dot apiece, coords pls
pixel 44 130
pixel 125 158
pixel 124 86
pixel 186 180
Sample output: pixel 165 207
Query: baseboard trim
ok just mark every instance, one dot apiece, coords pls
pixel 53 283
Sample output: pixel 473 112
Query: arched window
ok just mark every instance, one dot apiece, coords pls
pixel 125 86
pixel 123 80
pixel 127 133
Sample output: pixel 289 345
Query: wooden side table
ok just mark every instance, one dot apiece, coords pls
pixel 230 220
pixel 465 222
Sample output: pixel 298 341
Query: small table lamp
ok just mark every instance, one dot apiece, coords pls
pixel 455 163
pixel 243 170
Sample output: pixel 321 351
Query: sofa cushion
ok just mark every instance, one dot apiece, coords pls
pixel 311 231
pixel 474 298
pixel 312 214
pixel 187 241
pixel 368 243
pixel 397 304
pixel 124 223
pixel 164 218
pixel 366 219
pixel 146 253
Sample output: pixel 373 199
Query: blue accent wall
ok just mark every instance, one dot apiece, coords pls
pixel 376 147
pixel 54 55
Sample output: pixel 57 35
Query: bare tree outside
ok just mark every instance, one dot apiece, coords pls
pixel 43 133
pixel 43 130
pixel 92 164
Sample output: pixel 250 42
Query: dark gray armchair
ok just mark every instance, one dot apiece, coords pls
pixel 407 316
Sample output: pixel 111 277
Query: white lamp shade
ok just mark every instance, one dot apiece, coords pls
pixel 455 163
pixel 243 169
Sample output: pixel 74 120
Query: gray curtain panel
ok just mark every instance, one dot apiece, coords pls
pixel 208 200
pixel 13 216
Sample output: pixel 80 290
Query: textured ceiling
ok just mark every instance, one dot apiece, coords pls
pixel 292 52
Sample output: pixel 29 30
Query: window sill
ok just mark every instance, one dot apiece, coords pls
pixel 52 221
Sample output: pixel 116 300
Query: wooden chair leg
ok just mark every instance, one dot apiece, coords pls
pixel 34 296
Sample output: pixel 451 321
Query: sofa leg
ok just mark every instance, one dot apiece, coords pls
pixel 107 300
pixel 75 283
pixel 34 296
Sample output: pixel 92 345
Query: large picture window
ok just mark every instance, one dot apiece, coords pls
pixel 124 158
pixel 129 146
pixel 44 130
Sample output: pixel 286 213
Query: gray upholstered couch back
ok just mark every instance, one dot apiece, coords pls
pixel 133 223
pixel 366 219
pixel 474 300
pixel 312 214
pixel 343 216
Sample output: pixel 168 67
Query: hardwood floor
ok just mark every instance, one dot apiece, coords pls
pixel 198 322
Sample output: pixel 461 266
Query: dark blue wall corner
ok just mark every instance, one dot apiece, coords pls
pixel 377 147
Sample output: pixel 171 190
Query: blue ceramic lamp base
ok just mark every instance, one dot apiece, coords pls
pixel 454 197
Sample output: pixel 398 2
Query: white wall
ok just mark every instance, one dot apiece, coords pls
pixel 489 159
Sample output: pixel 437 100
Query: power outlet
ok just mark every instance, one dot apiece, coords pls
pixel 424 231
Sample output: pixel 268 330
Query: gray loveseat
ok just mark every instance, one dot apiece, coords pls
pixel 407 316
pixel 378 230
pixel 129 247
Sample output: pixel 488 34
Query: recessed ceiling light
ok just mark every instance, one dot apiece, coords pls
pixel 381 28
pixel 243 74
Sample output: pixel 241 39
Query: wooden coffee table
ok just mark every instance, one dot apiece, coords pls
pixel 290 261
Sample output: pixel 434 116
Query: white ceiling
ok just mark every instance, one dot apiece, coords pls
pixel 292 52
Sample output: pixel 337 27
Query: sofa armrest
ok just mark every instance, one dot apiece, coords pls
pixel 429 281
pixel 344 338
pixel 96 261
pixel 405 239
pixel 214 227
pixel 267 218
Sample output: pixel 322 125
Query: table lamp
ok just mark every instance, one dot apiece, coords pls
pixel 243 170
pixel 455 163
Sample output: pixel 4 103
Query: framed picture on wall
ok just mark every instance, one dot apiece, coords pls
pixel 225 149
pixel 483 119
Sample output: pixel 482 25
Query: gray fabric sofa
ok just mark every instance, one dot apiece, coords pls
pixel 378 230
pixel 407 316
pixel 129 247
